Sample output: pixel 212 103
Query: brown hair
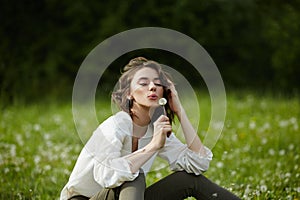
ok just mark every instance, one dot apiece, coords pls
pixel 120 96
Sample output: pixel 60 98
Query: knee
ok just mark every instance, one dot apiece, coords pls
pixel 133 189
pixel 137 182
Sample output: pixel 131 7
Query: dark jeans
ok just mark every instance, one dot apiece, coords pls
pixel 176 186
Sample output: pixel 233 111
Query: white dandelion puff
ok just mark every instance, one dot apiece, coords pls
pixel 263 188
pixel 272 152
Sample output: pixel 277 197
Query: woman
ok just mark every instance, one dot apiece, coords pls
pixel 115 160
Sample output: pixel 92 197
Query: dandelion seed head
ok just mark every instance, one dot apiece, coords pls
pixel 37 127
pixel 47 167
pixel 19 140
pixel 6 170
pixel 17 169
pixel 296 127
pixel 158 175
pixel 271 152
pixel 293 120
pixel 220 164
pixel 252 125
pixel 37 159
pixel 66 171
pixel 291 146
pixel 282 152
pixel 266 126
pixel 13 150
pixel 283 123
pixel 287 175
pixel 47 136
pixel 263 188
pixel 264 141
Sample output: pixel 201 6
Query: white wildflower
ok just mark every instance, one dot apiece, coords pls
pixel 264 141
pixel 47 136
pixel 252 125
pixel 291 146
pixel 233 173
pixel 19 139
pixel 219 165
pixel 287 175
pixel 293 120
pixel 263 188
pixel 36 127
pixel 282 152
pixel 283 123
pixel 272 152
pixel 47 167
pixel 13 150
pixel 6 170
pixel 158 175
pixel 296 127
pixel 37 159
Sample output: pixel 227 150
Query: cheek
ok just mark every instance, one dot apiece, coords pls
pixel 138 92
pixel 160 92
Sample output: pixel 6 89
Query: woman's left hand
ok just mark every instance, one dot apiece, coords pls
pixel 173 99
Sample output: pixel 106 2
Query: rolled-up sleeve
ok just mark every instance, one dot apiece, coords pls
pixel 180 157
pixel 112 172
pixel 110 169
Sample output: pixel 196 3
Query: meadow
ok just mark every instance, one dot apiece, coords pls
pixel 256 157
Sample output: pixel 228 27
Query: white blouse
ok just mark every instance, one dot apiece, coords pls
pixel 101 163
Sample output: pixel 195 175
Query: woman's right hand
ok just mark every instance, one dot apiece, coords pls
pixel 161 128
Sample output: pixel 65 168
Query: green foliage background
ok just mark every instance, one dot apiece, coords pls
pixel 254 43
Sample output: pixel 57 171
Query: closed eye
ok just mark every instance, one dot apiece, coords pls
pixel 158 84
pixel 143 84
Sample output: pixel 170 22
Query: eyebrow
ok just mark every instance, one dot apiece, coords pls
pixel 146 78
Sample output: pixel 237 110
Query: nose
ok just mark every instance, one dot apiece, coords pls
pixel 152 86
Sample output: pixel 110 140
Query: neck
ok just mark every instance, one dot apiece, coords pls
pixel 141 119
pixel 139 131
pixel 140 115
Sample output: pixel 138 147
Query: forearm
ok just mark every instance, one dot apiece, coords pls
pixel 138 158
pixel 191 137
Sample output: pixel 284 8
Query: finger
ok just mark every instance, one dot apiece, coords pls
pixel 162 118
pixel 167 130
pixel 164 123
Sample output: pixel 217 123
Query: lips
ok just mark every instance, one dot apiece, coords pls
pixel 152 97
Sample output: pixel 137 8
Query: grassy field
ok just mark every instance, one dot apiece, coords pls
pixel 257 156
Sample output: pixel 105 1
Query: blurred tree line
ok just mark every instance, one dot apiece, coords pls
pixel 254 43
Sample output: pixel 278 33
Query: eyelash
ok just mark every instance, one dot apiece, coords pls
pixel 156 84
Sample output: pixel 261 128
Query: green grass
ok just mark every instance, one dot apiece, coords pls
pixel 256 157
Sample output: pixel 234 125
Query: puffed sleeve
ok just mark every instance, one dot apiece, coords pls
pixel 109 168
pixel 180 157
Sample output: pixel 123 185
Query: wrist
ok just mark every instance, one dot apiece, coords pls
pixel 152 147
pixel 180 113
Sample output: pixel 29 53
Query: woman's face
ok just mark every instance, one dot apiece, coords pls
pixel 146 88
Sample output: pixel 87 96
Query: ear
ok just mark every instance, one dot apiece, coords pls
pixel 129 97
